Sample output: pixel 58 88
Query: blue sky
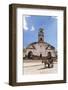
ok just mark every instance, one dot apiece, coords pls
pixel 31 25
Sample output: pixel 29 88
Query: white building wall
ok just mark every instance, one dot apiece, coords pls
pixel 40 48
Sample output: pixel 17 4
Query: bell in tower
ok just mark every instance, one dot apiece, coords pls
pixel 41 35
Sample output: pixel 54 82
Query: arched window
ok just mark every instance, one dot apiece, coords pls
pixel 30 55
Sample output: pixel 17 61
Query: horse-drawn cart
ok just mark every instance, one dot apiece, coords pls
pixel 48 61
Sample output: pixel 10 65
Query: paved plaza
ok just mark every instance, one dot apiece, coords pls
pixel 37 67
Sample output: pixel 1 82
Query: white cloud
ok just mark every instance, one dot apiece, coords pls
pixel 32 28
pixel 25 24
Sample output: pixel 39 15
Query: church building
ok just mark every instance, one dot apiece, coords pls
pixel 36 50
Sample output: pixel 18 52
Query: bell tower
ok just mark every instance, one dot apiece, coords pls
pixel 41 35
